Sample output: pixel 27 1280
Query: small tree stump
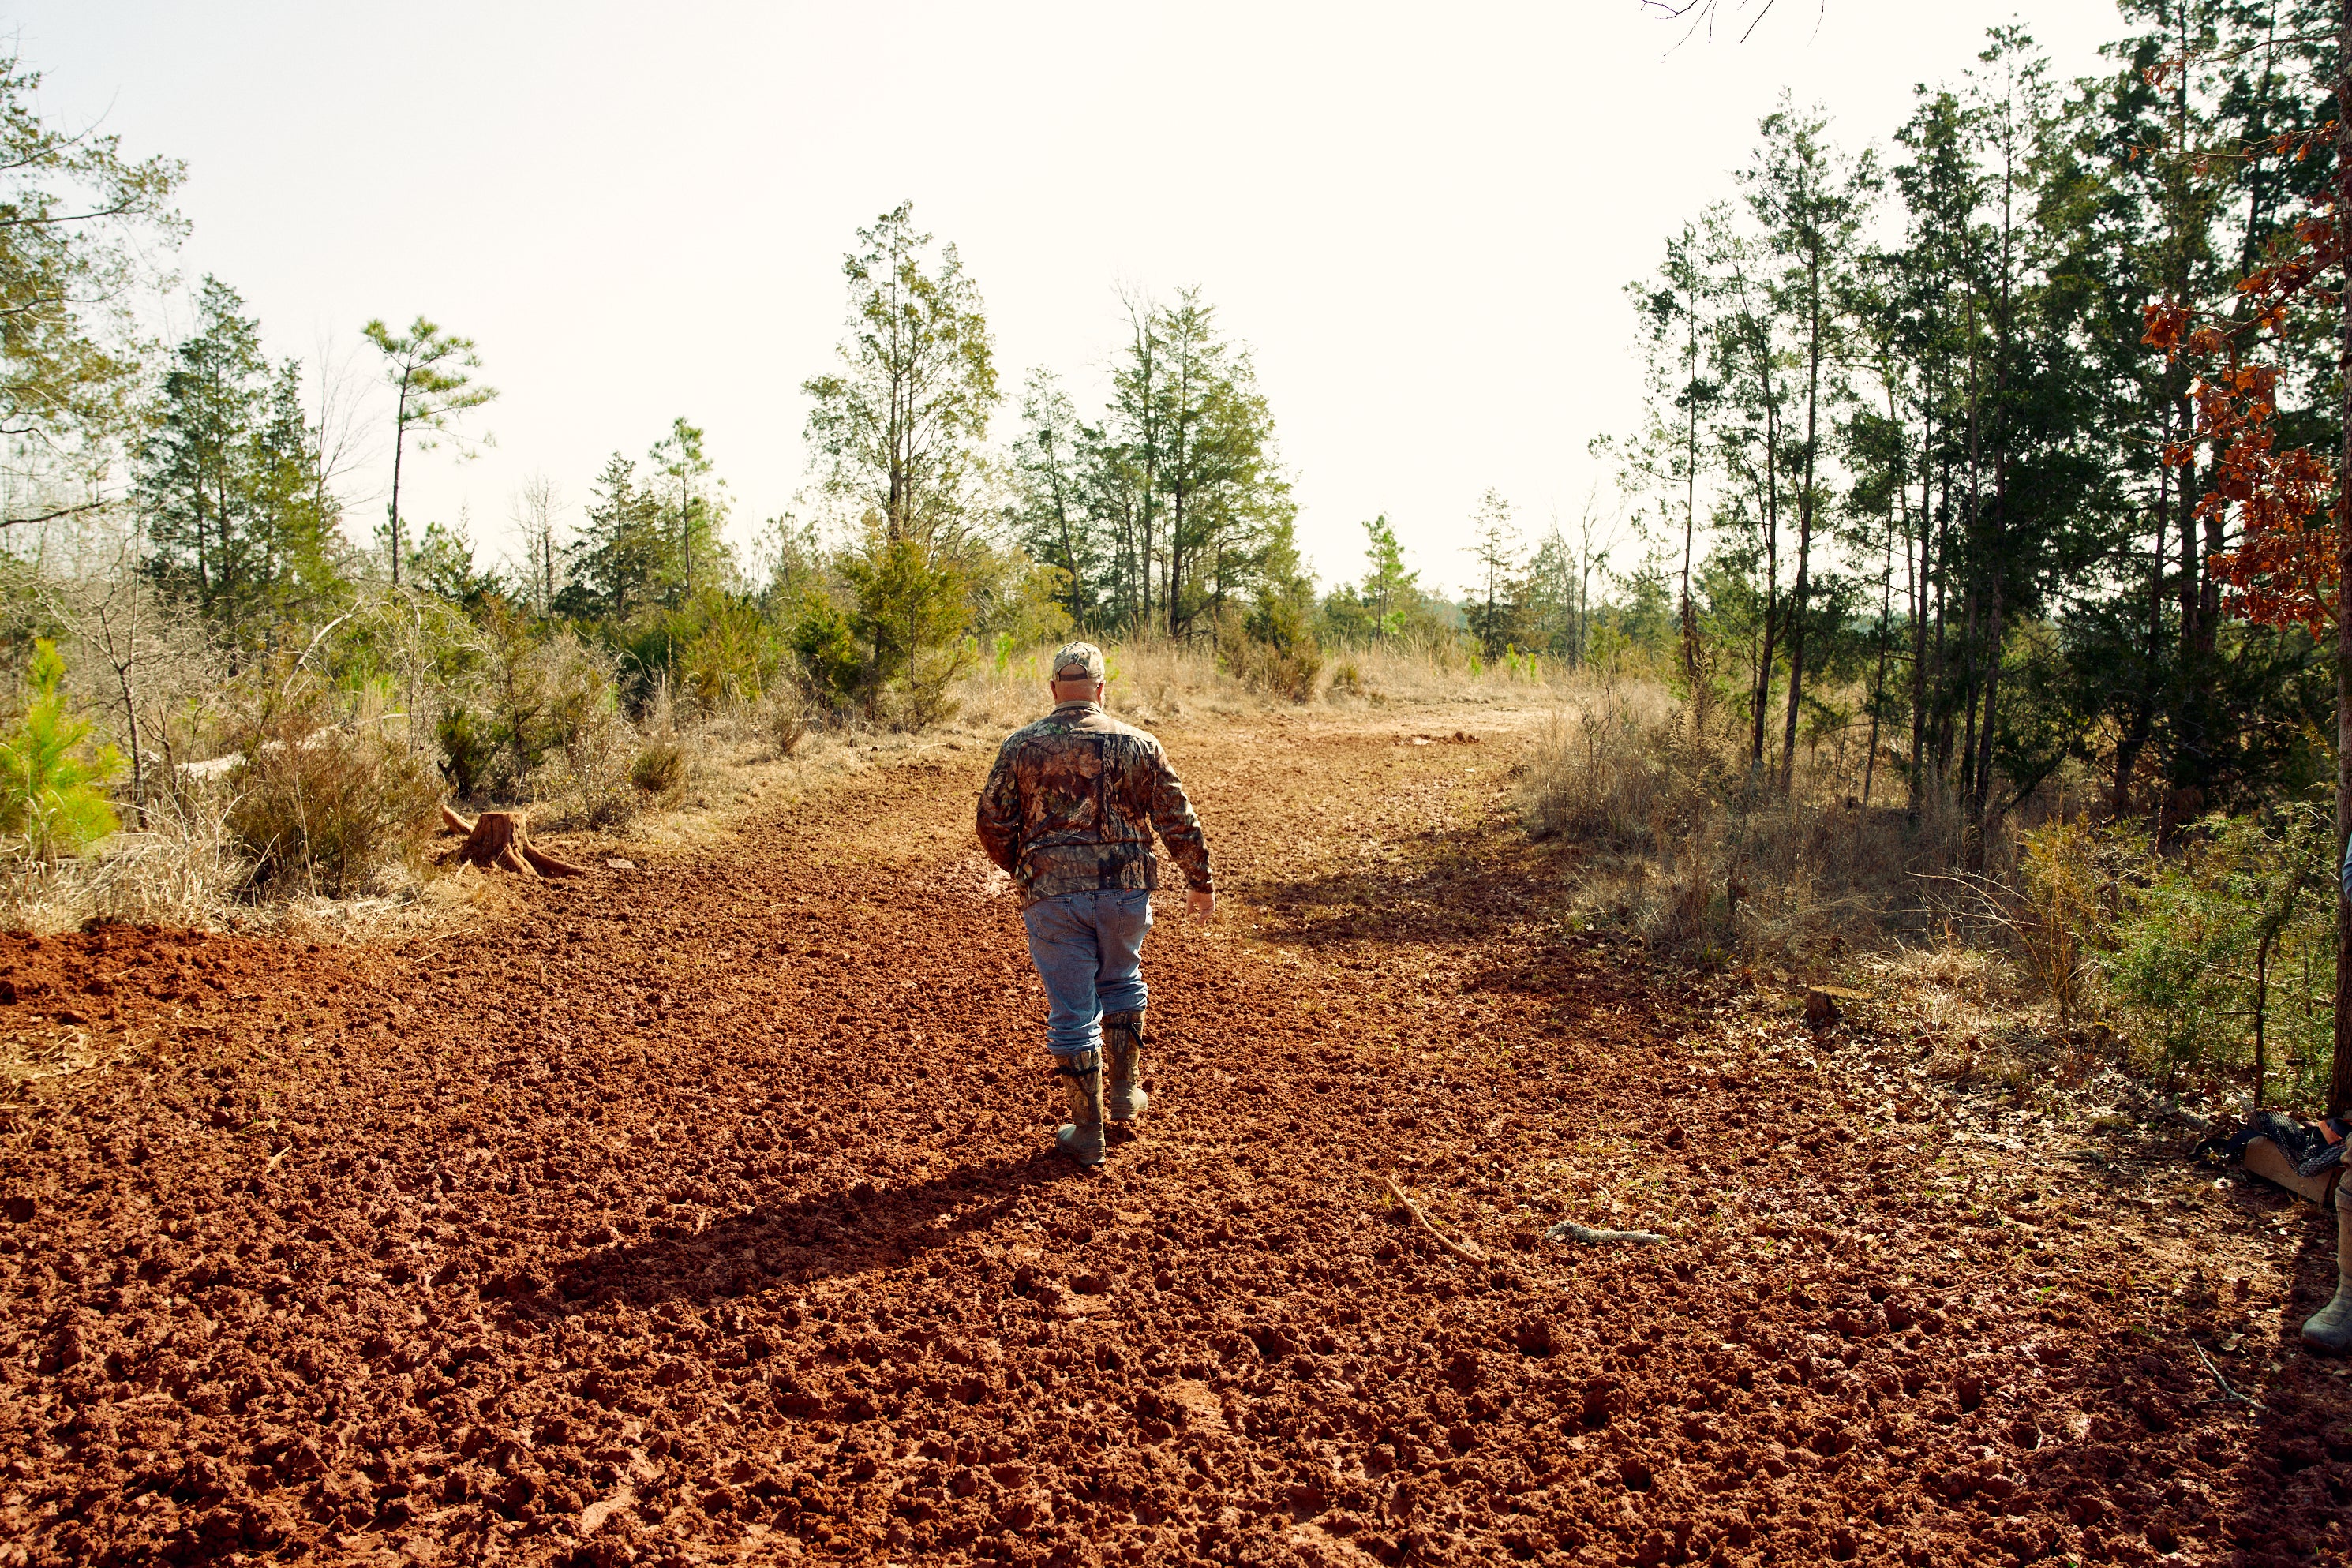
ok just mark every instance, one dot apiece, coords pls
pixel 1822 1003
pixel 502 840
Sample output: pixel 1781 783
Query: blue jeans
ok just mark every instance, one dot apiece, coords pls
pixel 1089 949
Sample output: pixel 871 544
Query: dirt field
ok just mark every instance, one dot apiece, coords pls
pixel 703 1212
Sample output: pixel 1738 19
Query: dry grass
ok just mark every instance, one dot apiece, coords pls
pixel 180 869
pixel 1154 680
pixel 1980 1020
pixel 1960 1004
pixel 1691 848
pixel 1677 841
pixel 323 802
pixel 587 782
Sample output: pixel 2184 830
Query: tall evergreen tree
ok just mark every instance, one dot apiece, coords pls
pixel 1051 513
pixel 76 219
pixel 698 505
pixel 1495 546
pixel 626 558
pixel 225 479
pixel 1808 203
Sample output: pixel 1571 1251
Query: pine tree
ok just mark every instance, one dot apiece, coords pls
pixel 227 480
pixel 1494 545
pixel 430 374
pixel 627 556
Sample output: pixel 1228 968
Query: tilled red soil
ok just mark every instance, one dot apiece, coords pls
pixel 704 1212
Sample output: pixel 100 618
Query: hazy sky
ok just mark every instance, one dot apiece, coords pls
pixel 1420 217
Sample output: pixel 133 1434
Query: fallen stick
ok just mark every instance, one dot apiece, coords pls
pixel 1569 1231
pixel 1451 1246
pixel 2228 1393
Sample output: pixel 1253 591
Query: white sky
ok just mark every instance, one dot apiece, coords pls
pixel 1420 217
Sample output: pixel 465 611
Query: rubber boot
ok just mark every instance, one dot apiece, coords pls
pixel 2330 1328
pixel 1081 1138
pixel 1123 1098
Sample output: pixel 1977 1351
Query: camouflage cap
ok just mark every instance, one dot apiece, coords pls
pixel 1077 662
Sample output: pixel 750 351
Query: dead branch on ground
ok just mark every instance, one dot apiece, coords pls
pixel 1451 1246
pixel 1569 1231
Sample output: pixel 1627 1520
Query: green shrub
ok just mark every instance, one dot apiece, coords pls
pixel 716 650
pixel 911 612
pixel 1271 648
pixel 733 656
pixel 468 746
pixel 523 701
pixel 2224 954
pixel 831 661
pixel 1019 603
pixel 52 794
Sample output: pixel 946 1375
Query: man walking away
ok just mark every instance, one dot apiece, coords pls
pixel 1068 811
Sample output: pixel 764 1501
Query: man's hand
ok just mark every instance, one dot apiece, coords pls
pixel 1200 905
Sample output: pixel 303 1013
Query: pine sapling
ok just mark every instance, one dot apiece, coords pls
pixel 52 788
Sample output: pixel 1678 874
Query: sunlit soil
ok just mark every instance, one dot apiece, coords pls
pixel 704 1210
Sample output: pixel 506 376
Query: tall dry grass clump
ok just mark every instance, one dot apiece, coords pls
pixel 1622 767
pixel 1693 847
pixel 1153 680
pixel 322 801
pixel 781 719
pixel 180 867
pixel 661 769
pixel 585 781
pixel 2065 911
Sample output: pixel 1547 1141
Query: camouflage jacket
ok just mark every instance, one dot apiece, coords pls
pixel 1072 803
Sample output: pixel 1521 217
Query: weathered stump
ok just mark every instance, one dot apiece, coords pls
pixel 502 840
pixel 1822 1003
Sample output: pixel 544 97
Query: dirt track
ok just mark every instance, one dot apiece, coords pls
pixel 702 1212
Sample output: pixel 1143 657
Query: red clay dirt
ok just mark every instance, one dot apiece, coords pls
pixel 705 1213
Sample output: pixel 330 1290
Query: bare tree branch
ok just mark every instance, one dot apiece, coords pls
pixel 1703 13
pixel 52 516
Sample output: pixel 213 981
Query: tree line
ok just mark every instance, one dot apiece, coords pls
pixel 915 541
pixel 1904 437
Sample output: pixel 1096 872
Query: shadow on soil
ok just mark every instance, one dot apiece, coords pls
pixel 2286 1496
pixel 854 1232
pixel 1478 880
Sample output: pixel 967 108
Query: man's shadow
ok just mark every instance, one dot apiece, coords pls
pixel 855 1230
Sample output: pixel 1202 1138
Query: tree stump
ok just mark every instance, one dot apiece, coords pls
pixel 1822 1003
pixel 502 840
